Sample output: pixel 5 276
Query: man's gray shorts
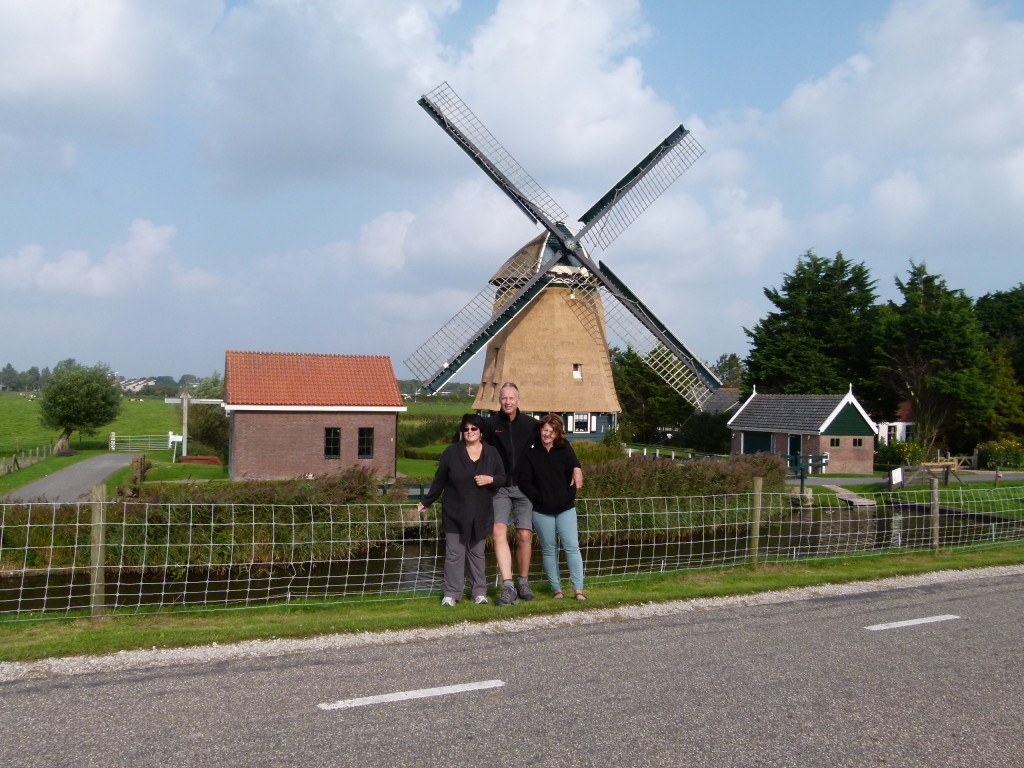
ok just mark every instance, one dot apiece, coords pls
pixel 507 499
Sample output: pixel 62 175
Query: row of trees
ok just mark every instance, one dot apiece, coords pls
pixel 952 365
pixel 33 380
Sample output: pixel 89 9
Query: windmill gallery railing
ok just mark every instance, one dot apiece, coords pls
pixel 63 560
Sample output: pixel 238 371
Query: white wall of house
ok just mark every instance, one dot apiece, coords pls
pixel 894 431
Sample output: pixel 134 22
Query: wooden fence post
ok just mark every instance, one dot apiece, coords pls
pixel 97 599
pixel 934 483
pixel 755 526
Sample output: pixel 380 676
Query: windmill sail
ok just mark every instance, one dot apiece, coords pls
pixel 459 122
pixel 639 329
pixel 506 294
pixel 558 262
pixel 635 191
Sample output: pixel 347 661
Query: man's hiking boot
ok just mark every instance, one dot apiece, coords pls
pixel 508 596
pixel 525 593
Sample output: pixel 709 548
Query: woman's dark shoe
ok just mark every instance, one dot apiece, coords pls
pixel 580 595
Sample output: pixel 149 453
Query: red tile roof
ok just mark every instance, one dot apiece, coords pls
pixel 285 378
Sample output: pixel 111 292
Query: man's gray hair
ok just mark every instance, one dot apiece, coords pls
pixel 508 385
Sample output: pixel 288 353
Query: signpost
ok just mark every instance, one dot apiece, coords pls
pixel 185 399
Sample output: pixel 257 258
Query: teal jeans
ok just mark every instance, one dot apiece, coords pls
pixel 551 528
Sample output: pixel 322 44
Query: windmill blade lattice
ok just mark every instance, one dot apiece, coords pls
pixel 458 340
pixel 458 120
pixel 611 310
pixel 673 368
pixel 635 191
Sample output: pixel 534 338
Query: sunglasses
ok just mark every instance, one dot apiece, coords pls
pixel 471 429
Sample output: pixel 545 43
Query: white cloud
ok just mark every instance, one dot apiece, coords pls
pixel 382 242
pixel 92 66
pixel 125 266
pixel 899 204
pixel 194 280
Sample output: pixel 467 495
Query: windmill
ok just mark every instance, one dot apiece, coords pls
pixel 546 315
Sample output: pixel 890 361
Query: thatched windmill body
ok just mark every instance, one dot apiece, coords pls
pixel 546 316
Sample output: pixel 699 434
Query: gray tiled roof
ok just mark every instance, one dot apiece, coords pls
pixel 786 413
pixel 722 399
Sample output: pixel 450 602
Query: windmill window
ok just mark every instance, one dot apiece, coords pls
pixel 858 442
pixel 833 442
pixel 365 443
pixel 577 371
pixel 581 422
pixel 332 443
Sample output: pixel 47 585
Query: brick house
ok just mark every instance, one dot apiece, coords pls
pixel 836 425
pixel 307 414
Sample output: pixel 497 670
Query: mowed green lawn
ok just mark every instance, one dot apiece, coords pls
pixel 20 428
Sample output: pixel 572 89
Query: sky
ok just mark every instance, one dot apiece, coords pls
pixel 178 179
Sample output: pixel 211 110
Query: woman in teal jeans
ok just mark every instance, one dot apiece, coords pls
pixel 547 478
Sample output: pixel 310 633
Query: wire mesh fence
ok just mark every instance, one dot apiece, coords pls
pixel 126 557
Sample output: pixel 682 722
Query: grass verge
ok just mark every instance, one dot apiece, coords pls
pixel 26 640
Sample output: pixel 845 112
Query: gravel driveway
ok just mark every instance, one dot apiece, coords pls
pixel 73 483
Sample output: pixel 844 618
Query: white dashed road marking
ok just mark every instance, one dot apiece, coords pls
pixel 912 622
pixel 422 693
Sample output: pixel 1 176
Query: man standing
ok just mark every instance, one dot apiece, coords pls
pixel 512 432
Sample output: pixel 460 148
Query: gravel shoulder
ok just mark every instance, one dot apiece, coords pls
pixel 125 660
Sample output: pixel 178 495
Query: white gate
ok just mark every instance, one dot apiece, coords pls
pixel 143 442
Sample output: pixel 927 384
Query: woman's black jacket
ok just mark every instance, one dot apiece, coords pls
pixel 545 477
pixel 466 508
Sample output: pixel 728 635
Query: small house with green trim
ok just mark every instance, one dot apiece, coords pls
pixel 833 425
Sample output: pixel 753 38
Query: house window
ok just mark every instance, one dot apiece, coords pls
pixel 332 443
pixel 833 442
pixel 577 371
pixel 858 442
pixel 581 422
pixel 365 443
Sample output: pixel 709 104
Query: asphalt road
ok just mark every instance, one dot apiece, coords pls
pixel 73 483
pixel 802 683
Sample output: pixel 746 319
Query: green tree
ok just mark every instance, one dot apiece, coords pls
pixel 932 355
pixel 32 378
pixel 648 403
pixel 820 338
pixel 729 369
pixel 209 424
pixel 707 432
pixel 1007 420
pixel 9 378
pixel 78 398
pixel 1002 317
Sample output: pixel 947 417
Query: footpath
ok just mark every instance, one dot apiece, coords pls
pixel 72 483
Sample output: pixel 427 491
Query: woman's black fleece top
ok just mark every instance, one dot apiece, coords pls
pixel 545 477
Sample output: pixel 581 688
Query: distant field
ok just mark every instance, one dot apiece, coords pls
pixel 20 428
pixel 425 407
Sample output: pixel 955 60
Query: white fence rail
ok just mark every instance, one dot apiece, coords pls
pixel 75 559
pixel 118 442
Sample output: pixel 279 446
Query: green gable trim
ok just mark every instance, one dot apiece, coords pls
pixel 849 422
